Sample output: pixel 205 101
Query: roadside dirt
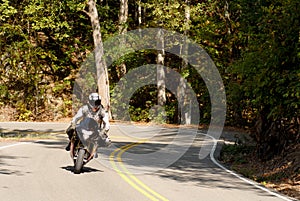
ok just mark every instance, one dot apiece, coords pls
pixel 281 173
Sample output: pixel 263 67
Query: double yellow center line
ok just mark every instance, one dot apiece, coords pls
pixel 117 163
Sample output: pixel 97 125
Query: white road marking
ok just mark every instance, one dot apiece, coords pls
pixel 238 176
pixel 12 145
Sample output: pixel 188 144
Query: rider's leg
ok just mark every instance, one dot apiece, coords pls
pixel 70 133
pixel 71 148
pixel 68 146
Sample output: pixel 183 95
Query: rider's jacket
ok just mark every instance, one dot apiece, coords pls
pixel 101 116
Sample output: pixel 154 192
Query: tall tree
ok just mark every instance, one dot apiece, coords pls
pixel 184 102
pixel 139 14
pixel 161 86
pixel 123 16
pixel 102 72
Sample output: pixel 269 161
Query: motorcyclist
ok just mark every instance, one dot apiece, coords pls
pixel 93 109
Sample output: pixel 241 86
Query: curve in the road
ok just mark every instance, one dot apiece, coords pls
pixel 212 158
pixel 130 178
pixel 151 194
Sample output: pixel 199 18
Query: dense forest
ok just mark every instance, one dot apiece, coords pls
pixel 254 45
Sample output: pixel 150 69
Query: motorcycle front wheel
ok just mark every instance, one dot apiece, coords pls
pixel 79 161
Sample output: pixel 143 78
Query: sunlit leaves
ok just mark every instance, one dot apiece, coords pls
pixel 6 10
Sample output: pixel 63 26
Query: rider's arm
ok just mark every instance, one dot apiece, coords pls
pixel 105 120
pixel 103 115
pixel 77 117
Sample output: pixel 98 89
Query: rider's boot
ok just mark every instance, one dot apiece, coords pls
pixel 68 147
pixel 107 142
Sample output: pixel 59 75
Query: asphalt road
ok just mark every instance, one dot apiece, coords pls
pixel 140 165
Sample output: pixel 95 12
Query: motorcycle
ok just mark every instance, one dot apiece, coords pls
pixel 88 137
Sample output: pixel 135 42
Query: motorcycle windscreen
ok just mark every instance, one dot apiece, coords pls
pixel 87 131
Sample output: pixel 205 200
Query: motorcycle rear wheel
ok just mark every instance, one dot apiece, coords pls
pixel 79 161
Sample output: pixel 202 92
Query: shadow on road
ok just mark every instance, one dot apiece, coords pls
pixel 84 169
pixel 55 144
pixel 28 133
pixel 4 161
pixel 188 168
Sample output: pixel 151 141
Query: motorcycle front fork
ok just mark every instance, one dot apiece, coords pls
pixel 85 160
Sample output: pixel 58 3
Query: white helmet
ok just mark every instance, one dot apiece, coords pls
pixel 94 100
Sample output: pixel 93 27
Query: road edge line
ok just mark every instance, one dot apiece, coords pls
pixel 12 145
pixel 253 183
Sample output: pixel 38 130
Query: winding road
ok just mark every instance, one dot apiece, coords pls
pixel 138 166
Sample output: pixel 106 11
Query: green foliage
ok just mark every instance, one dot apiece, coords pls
pixel 254 44
pixel 269 69
pixel 35 48
pixel 6 10
pixel 266 85
pixel 238 157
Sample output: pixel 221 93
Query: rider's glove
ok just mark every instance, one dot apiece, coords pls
pixel 107 142
pixel 106 138
pixel 70 131
pixel 73 125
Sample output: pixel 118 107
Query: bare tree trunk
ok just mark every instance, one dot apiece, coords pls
pixel 140 14
pixel 123 16
pixel 161 86
pixel 102 73
pixel 184 102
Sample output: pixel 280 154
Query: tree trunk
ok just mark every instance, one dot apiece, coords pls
pixel 183 100
pixel 161 86
pixel 123 16
pixel 139 14
pixel 102 73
